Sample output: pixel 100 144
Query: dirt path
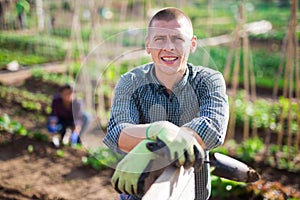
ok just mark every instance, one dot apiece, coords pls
pixel 18 77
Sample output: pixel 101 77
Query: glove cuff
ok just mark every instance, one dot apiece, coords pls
pixel 147 133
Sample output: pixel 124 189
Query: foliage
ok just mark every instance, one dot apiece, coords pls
pixel 101 158
pixel 60 153
pixel 40 45
pixel 285 158
pixel 271 190
pixel 30 148
pixel 249 149
pixel 27 100
pixel 265 114
pixel 13 127
pixel 224 188
pixel 66 33
pixel 6 56
pixel 40 136
pixel 57 78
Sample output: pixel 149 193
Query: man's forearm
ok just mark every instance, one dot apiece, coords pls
pixel 131 136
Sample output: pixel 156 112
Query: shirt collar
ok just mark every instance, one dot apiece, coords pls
pixel 178 86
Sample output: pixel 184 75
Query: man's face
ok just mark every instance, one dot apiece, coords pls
pixel 170 43
pixel 67 95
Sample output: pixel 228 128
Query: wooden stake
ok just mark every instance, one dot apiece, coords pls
pixel 297 71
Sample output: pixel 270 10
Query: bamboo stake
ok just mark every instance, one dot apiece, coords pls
pixel 290 95
pixel 245 71
pixel 285 91
pixel 236 45
pixel 295 63
pixel 253 93
pixel 235 80
pixel 281 65
pixel 208 33
pixel 227 68
pixel 95 56
pixel 75 39
pixel 296 53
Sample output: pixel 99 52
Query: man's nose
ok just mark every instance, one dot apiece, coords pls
pixel 169 45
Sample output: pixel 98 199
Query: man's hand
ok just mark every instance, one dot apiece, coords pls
pixel 176 144
pixel 137 170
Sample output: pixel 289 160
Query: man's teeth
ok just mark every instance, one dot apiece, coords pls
pixel 169 58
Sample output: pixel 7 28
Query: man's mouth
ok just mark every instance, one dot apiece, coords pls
pixel 169 58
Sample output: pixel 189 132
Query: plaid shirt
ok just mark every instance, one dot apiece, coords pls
pixel 198 101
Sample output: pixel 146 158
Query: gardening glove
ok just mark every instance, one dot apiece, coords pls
pixel 178 146
pixel 136 172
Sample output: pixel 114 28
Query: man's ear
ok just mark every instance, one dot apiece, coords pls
pixel 147 45
pixel 193 44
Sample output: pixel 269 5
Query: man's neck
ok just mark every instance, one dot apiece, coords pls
pixel 169 81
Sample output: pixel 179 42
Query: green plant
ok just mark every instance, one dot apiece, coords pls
pixel 13 127
pixel 40 136
pixel 264 114
pixel 224 188
pixel 249 148
pixel 101 158
pixel 30 148
pixel 27 100
pixel 285 157
pixel 60 153
pixel 57 78
pixel 40 45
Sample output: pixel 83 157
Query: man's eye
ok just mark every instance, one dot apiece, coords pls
pixel 179 38
pixel 159 39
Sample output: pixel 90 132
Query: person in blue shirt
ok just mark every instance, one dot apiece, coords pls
pixel 167 104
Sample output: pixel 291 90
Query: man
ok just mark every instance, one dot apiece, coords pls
pixel 67 112
pixel 167 104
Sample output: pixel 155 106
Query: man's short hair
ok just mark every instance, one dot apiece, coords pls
pixel 168 14
pixel 66 87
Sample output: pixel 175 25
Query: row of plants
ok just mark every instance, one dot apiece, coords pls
pixel 38 44
pixel 29 101
pixel 226 13
pixel 254 150
pixel 251 151
pixel 266 114
pixel 7 56
pixel 54 78
pixel 265 65
pixel 15 128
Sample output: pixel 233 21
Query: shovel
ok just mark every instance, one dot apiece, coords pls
pixel 232 169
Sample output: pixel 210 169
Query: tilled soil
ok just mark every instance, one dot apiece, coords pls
pixel 42 174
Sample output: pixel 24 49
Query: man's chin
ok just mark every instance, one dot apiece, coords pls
pixel 170 69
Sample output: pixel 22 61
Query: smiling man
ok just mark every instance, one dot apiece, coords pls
pixel 167 112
